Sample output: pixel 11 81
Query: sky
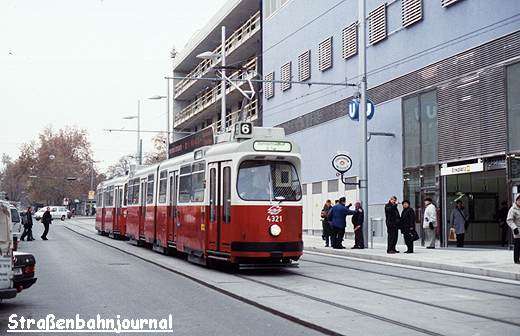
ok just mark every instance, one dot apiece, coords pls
pixel 86 63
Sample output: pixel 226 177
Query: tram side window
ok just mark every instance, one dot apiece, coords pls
pixel 163 184
pixel 226 193
pixel 133 191
pixel 197 182
pixel 111 195
pixel 185 184
pixel 125 195
pixel 149 189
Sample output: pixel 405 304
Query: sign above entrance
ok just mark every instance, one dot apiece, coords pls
pixel 463 169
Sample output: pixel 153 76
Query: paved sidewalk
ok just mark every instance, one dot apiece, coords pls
pixel 478 261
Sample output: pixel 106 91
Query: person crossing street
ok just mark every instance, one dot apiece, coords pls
pixel 46 221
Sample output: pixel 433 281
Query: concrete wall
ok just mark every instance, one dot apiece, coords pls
pixel 302 24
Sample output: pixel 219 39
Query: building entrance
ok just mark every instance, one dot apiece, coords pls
pixel 482 194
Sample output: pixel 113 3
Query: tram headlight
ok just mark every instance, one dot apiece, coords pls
pixel 275 230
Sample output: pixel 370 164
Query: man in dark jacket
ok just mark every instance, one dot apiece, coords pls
pixel 337 220
pixel 357 221
pixel 27 226
pixel 327 231
pixel 408 225
pixel 393 221
pixel 46 221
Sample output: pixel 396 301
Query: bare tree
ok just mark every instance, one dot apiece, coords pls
pixel 58 165
pixel 160 148
pixel 121 167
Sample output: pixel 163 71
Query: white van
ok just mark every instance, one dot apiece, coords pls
pixel 6 253
pixel 57 212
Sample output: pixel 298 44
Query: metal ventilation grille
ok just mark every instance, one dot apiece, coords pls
pixel 411 11
pixel 349 41
pixel 304 66
pixel 446 3
pixel 269 86
pixel 472 116
pixel 286 75
pixel 325 54
pixel 377 24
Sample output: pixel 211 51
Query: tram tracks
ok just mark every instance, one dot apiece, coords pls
pixel 421 280
pixel 431 305
pixel 302 321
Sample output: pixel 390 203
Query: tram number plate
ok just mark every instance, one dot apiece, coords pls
pixel 275 219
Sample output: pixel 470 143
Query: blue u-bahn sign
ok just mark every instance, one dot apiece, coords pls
pixel 353 109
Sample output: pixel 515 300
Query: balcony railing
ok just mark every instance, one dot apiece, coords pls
pixel 250 114
pixel 248 29
pixel 213 95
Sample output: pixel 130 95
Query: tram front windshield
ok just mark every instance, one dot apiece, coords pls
pixel 268 181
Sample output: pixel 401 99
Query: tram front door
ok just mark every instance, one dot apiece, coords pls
pixel 219 230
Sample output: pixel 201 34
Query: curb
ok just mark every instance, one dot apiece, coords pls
pixel 424 264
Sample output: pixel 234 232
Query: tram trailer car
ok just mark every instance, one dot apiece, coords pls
pixel 111 215
pixel 238 201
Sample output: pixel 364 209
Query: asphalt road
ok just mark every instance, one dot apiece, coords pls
pixel 82 272
pixel 80 276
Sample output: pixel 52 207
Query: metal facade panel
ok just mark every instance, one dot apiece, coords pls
pixel 377 24
pixel 473 116
pixel 446 3
pixel 269 86
pixel 411 12
pixel 304 66
pixel 286 75
pixel 325 54
pixel 349 37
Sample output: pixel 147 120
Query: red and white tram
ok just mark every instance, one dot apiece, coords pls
pixel 238 200
pixel 111 209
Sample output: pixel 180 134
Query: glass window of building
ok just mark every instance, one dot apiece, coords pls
pixel 420 135
pixel 513 106
pixel 411 131
pixel 429 127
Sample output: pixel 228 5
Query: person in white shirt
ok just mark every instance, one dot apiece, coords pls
pixel 430 222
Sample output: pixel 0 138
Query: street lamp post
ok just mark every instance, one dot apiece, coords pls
pixel 363 171
pixel 138 117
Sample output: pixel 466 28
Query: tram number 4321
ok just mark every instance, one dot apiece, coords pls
pixel 275 218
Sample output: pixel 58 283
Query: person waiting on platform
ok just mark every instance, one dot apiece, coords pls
pixel 337 219
pixel 513 220
pixel 459 221
pixel 327 231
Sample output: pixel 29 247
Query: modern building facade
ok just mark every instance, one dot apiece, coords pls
pixel 444 76
pixel 197 103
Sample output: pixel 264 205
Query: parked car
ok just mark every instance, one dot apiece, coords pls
pixel 57 212
pixel 24 268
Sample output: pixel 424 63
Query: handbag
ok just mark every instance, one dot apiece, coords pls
pixel 413 235
pixel 452 236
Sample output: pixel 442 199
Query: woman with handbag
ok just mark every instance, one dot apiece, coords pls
pixel 408 226
pixel 459 221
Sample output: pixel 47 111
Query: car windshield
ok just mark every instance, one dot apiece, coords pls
pixel 15 216
pixel 268 181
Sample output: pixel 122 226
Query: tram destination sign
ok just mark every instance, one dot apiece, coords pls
pixel 272 146
pixel 191 142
